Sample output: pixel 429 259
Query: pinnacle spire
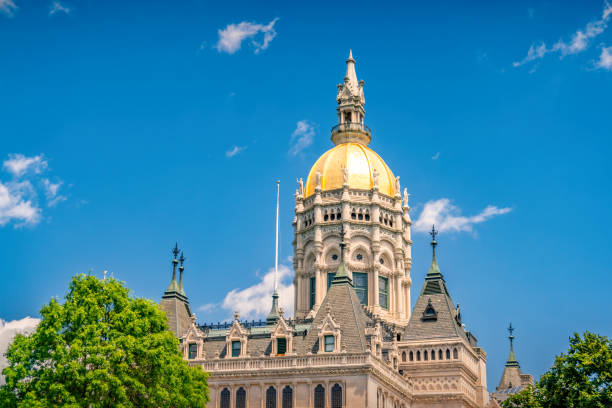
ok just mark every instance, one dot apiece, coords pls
pixel 274 314
pixel 350 127
pixel 181 269
pixel 351 75
pixel 512 362
pixel 342 275
pixel 173 287
pixel 434 269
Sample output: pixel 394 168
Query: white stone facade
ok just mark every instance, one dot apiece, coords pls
pixel 353 341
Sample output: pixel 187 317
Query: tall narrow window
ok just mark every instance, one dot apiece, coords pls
pixel 455 354
pixel 319 396
pixel 403 356
pixel 447 354
pixel 313 284
pixel 287 397
pixel 336 396
pixel 329 343
pixel 225 398
pixel 236 348
pixel 383 292
pixel 411 356
pixel 281 345
pixel 360 281
pixel 271 397
pixel 439 354
pixel 193 351
pixel 330 278
pixel 241 398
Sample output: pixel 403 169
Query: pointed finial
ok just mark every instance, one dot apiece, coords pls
pixel 433 234
pixel 342 243
pixel 511 337
pixel 350 54
pixel 236 315
pixel 281 312
pixel 182 259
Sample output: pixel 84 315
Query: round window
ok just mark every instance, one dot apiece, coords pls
pixel 382 261
pixel 359 257
pixel 335 257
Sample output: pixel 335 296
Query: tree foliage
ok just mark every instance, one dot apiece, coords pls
pixel 579 379
pixel 101 348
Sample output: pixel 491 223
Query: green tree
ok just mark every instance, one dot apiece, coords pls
pixel 101 348
pixel 579 379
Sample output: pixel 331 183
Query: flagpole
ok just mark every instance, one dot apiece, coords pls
pixel 276 246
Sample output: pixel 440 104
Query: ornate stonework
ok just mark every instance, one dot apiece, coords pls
pixel 353 341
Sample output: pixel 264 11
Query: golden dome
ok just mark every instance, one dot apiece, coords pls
pixel 360 161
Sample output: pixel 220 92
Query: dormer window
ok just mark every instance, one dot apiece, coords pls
pixel 281 345
pixel 429 313
pixel 236 348
pixel 193 350
pixel 329 343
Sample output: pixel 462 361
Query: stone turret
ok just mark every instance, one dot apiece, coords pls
pixel 512 380
pixel 174 301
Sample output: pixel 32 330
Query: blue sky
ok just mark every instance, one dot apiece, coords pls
pixel 127 127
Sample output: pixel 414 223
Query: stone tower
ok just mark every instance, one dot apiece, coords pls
pixel 350 187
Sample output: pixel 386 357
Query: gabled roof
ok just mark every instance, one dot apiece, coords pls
pixel 444 321
pixel 342 303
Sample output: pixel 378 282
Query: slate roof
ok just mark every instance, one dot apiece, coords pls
pixel 444 325
pixel 346 310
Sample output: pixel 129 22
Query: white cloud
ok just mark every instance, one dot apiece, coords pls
pixel 57 7
pixel 436 156
pixel 255 301
pixel 18 164
pixel 51 192
pixel 578 42
pixel 232 36
pixel 301 137
pixel 446 216
pixel 605 59
pixel 19 198
pixel 7 7
pixel 18 203
pixel 234 151
pixel 8 331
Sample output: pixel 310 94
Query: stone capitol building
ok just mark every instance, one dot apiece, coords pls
pixel 353 340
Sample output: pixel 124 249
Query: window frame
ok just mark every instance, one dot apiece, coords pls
pixel 234 349
pixel 326 344
pixel 361 290
pixel 383 292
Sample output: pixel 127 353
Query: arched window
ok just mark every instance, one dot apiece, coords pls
pixel 332 216
pixel 325 217
pixel 271 397
pixel 439 354
pixel 447 354
pixel 225 398
pixel 241 398
pixel 425 355
pixel 418 356
pixel 353 215
pixel 404 356
pixel 367 216
pixel 433 354
pixel 319 396
pixel 360 216
pixel 336 396
pixel 287 397
pixel 455 354
pixel 411 356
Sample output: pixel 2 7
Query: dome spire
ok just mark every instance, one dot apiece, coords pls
pixel 350 127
